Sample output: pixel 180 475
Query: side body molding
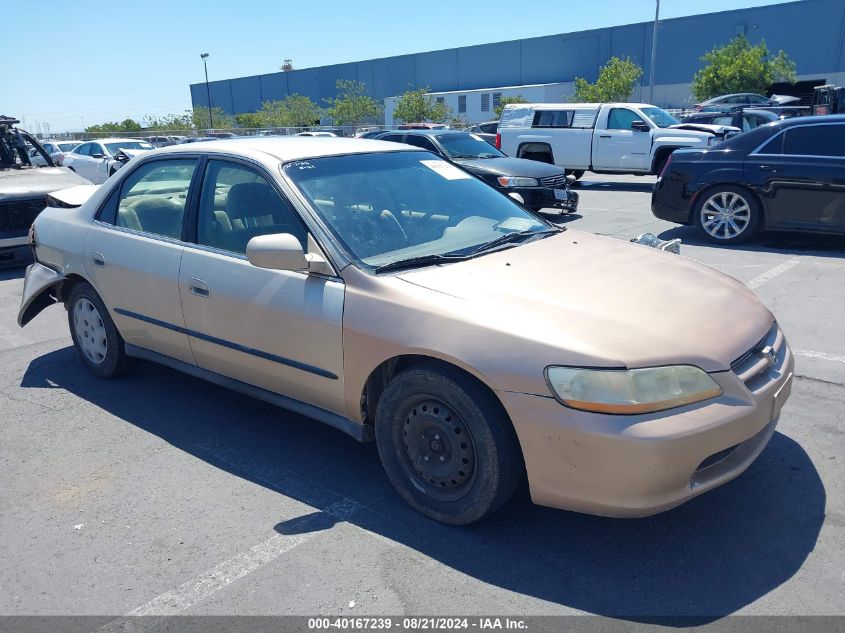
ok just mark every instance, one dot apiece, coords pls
pixel 39 291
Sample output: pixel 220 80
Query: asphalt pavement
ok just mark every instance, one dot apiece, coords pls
pixel 159 494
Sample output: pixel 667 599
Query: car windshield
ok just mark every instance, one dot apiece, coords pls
pixel 114 147
pixel 396 206
pixel 66 147
pixel 463 145
pixel 660 117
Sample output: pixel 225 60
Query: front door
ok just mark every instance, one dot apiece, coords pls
pixel 133 253
pixel 801 173
pixel 620 148
pixel 279 330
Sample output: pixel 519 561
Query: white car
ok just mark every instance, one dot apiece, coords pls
pixel 97 160
pixel 56 150
pixel 316 134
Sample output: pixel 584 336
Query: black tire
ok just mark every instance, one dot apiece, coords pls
pixel 578 173
pixel 113 362
pixel 728 193
pixel 439 412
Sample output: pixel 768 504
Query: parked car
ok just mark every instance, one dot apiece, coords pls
pixel 537 185
pixel 487 131
pixel 165 141
pixel 784 106
pixel 423 126
pixel 196 139
pixel 788 176
pixel 828 99
pixel 98 160
pixel 24 191
pixel 317 133
pixel 370 134
pixel 390 294
pixel 742 118
pixel 626 138
pixel 56 150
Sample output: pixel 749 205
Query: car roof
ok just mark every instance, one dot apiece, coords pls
pixel 287 148
pixel 430 132
pixel 115 140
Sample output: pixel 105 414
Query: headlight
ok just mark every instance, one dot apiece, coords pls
pixel 630 391
pixel 510 181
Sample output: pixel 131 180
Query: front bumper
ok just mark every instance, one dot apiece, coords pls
pixel 633 466
pixel 670 201
pixel 546 198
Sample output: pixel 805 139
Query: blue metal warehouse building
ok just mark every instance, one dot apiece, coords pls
pixel 810 31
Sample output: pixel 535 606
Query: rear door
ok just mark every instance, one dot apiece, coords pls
pixel 618 147
pixel 134 250
pixel 801 173
pixel 278 330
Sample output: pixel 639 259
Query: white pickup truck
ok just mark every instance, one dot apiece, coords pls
pixel 622 138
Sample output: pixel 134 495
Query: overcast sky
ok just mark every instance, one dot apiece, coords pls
pixel 104 61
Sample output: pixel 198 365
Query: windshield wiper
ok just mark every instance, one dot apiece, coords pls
pixel 511 237
pixel 422 260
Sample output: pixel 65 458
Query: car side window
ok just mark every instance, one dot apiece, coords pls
pixel 815 140
pixel 723 120
pixel 421 142
pixel 396 138
pixel 153 197
pixel 96 148
pixel 83 150
pixel 621 119
pixel 238 203
pixel 552 118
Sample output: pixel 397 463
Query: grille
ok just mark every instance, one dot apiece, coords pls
pixel 554 181
pixel 753 366
pixel 17 217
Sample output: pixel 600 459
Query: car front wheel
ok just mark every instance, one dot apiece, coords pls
pixel 727 215
pixel 447 445
pixel 97 341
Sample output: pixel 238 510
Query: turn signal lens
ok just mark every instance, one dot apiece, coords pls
pixel 631 391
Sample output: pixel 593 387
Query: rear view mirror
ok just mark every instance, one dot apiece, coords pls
pixel 639 126
pixel 279 251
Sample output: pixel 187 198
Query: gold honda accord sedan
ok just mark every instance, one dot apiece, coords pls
pixel 386 292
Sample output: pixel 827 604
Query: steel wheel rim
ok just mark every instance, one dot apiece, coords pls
pixel 725 215
pixel 439 450
pixel 90 331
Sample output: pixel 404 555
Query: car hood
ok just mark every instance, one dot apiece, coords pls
pixel 507 166
pixel 593 300
pixel 30 184
pixel 780 100
pixel 718 130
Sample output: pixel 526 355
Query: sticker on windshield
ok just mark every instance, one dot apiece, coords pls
pixel 515 224
pixel 449 172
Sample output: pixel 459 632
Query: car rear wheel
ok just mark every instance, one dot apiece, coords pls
pixel 727 214
pixel 447 445
pixel 97 341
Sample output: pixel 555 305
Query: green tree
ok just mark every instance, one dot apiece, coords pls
pixel 353 106
pixel 416 106
pixel 222 119
pixel 175 122
pixel 249 119
pixel 505 101
pixel 292 111
pixel 127 125
pixel 739 66
pixel 615 82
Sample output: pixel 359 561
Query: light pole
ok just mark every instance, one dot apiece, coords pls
pixel 204 57
pixel 653 53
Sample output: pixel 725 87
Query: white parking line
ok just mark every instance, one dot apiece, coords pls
pixel 770 274
pixel 811 354
pixel 219 576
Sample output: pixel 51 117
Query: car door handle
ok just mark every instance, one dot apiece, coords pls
pixel 604 135
pixel 198 287
pixel 97 259
pixel 770 168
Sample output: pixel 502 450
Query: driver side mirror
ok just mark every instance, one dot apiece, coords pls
pixel 282 251
pixel 640 126
pixel 98 155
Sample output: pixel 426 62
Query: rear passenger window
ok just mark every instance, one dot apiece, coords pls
pixel 815 140
pixel 237 204
pixel 152 198
pixel 552 118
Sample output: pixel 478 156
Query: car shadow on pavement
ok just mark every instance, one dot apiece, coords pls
pixel 610 185
pixel 815 244
pixel 708 558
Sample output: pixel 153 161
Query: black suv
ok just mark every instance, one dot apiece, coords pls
pixel 537 185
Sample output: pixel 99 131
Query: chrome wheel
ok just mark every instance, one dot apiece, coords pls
pixel 90 331
pixel 725 215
